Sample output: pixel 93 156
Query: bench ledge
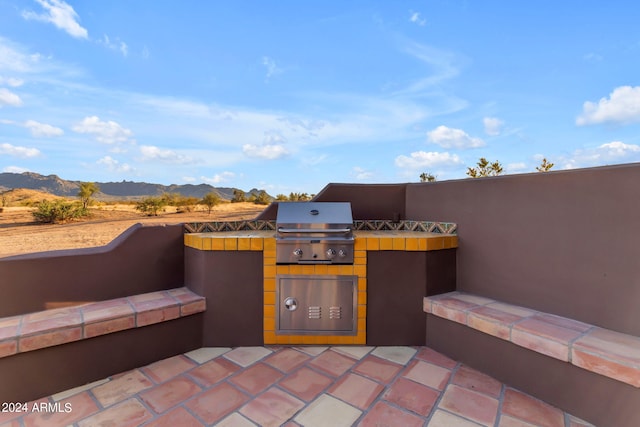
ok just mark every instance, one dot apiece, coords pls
pixel 602 351
pixel 52 327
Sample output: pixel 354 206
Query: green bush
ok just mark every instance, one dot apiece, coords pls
pixel 262 198
pixel 151 205
pixel 58 211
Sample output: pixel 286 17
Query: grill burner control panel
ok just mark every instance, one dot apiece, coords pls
pixel 329 254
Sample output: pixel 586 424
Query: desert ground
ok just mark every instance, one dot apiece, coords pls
pixel 20 234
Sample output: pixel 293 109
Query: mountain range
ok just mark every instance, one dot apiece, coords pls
pixel 123 190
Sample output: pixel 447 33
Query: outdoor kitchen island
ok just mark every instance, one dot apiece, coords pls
pixel 393 269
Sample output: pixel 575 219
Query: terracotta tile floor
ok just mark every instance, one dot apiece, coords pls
pixel 299 386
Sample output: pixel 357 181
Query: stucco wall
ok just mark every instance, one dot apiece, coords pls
pixel 142 259
pixel 563 242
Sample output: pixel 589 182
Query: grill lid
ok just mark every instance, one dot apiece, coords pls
pixel 301 216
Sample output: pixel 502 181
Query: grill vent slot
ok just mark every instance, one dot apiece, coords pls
pixel 315 312
pixel 335 312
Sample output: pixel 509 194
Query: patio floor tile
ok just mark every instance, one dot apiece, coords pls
pixel 357 352
pixel 412 396
pixel 217 403
pixel 257 378
pixel 245 356
pixel 205 354
pixel 445 419
pixel 81 405
pixel 385 415
pixel 166 369
pixel 529 409
pixel 272 408
pixel 312 350
pixel 327 411
pixel 311 386
pixel 235 420
pixel 179 417
pixel 287 359
pixel 333 363
pixel 428 374
pixel 121 388
pixel 399 355
pixel 129 413
pixel 213 371
pixel 356 390
pixel 169 394
pixel 305 384
pixel 469 404
pixel 507 421
pixel 432 356
pixel 378 369
pixel 477 381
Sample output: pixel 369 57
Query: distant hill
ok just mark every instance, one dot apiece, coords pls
pixel 55 185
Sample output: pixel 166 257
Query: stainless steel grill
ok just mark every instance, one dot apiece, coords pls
pixel 314 233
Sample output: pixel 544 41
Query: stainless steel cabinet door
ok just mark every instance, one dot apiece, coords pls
pixel 316 304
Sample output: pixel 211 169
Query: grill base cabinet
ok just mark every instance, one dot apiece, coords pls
pixel 316 305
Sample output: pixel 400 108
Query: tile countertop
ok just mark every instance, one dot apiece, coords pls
pixel 368 240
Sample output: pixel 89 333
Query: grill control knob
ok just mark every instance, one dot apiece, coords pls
pixel 297 252
pixel 331 253
pixel 342 253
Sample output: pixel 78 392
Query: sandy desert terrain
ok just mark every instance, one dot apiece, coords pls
pixel 19 233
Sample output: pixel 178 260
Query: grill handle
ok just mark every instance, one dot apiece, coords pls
pixel 315 230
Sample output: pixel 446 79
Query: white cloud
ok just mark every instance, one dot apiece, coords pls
pixel 431 159
pixel 108 132
pixel 114 165
pixel 416 18
pixel 11 81
pixel 188 179
pixel 361 174
pixel 15 169
pixel 23 152
pixel 219 178
pixel 150 152
pixel 443 67
pixel 42 129
pixel 492 126
pixel 609 153
pixel 117 45
pixel 9 98
pixel 515 167
pixel 12 59
pixel 59 14
pixel 265 151
pixel 272 68
pixel 622 106
pixel 453 138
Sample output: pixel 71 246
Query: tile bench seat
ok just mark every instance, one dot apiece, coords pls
pixel 605 352
pixel 48 328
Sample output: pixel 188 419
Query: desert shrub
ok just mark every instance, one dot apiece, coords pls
pixel 150 206
pixel 238 196
pixel 58 211
pixel 210 200
pixel 262 198
pixel 185 204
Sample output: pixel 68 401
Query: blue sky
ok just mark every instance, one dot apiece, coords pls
pixel 291 95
